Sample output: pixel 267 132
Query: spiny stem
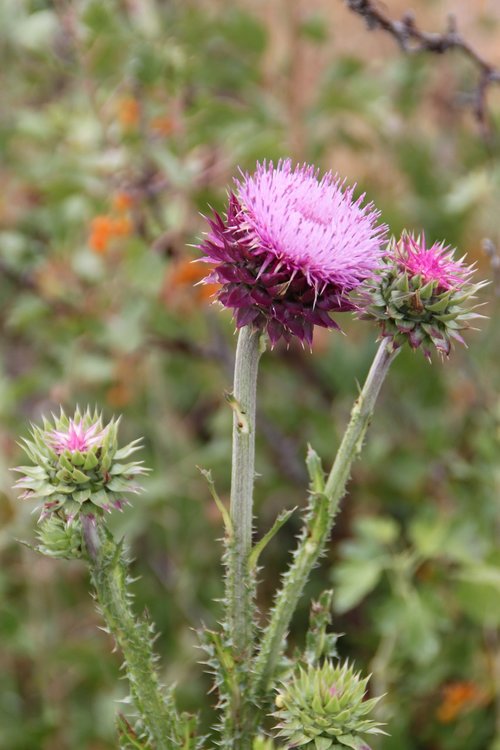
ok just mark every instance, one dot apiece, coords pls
pixel 133 636
pixel 239 583
pixel 319 523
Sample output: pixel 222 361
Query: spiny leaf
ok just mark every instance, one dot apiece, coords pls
pixel 228 524
pixel 262 543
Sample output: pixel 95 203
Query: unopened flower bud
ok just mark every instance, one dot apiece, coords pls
pixel 323 708
pixel 77 468
pixel 421 296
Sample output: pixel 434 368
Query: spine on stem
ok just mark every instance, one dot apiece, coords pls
pixel 323 506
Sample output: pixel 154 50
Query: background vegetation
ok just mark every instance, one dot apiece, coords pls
pixel 119 122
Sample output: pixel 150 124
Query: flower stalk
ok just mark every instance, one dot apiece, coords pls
pixel 133 636
pixel 324 504
pixel 240 586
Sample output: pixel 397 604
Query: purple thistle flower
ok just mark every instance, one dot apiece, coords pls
pixel 291 248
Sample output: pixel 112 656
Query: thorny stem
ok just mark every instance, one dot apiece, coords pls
pixel 132 636
pixel 240 587
pixel 319 524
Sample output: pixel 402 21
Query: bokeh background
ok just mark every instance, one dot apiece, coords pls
pixel 120 121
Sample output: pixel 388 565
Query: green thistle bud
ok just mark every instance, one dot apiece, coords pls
pixel 421 296
pixel 77 468
pixel 59 539
pixel 323 708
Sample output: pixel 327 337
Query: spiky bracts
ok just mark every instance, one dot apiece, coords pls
pixel 421 296
pixel 290 249
pixel 323 708
pixel 78 467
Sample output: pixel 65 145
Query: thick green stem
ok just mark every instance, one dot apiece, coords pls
pixel 132 635
pixel 319 523
pixel 243 402
pixel 240 585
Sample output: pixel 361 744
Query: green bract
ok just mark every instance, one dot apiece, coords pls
pixel 322 708
pixel 78 466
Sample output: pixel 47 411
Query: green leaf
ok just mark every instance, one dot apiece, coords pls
pixel 262 543
pixel 354 579
pixel 315 470
pixel 228 524
pixel 429 535
pixel 382 530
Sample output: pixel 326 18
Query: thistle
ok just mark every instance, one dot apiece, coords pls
pixel 421 296
pixel 78 467
pixel 290 249
pixel 77 475
pixel 323 708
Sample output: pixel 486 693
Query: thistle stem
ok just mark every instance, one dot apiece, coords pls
pixel 132 635
pixel 319 524
pixel 239 584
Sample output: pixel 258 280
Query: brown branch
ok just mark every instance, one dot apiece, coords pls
pixel 413 40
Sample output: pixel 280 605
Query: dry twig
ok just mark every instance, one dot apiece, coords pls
pixel 412 39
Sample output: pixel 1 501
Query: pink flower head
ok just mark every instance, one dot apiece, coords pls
pixel 291 248
pixel 77 437
pixel 434 264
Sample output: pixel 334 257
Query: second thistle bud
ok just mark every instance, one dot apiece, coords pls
pixel 323 708
pixel 77 468
pixel 421 296
pixel 59 539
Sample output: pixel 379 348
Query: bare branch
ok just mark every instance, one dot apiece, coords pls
pixel 413 40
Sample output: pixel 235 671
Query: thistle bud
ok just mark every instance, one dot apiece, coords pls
pixel 77 468
pixel 323 708
pixel 59 539
pixel 421 296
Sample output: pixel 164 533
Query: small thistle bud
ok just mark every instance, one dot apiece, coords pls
pixel 59 539
pixel 421 296
pixel 77 468
pixel 323 708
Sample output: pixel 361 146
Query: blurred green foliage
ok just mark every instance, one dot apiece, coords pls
pixel 119 123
